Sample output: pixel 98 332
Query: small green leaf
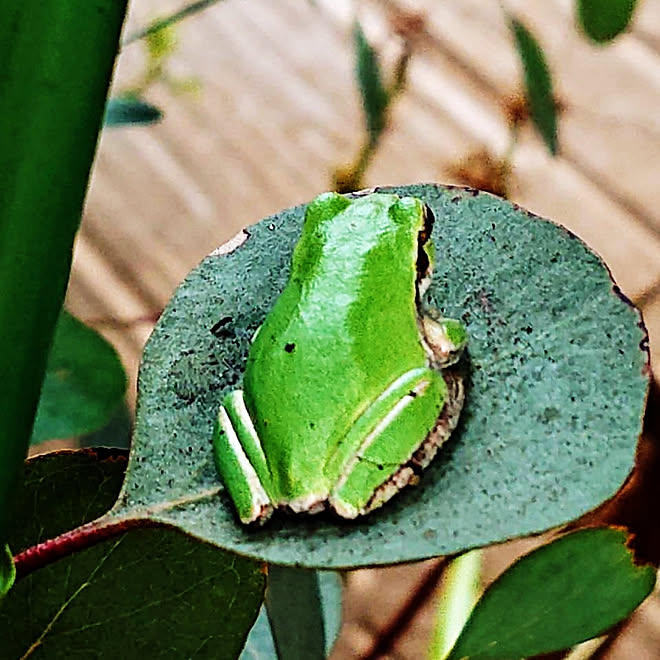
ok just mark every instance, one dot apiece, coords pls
pixel 84 384
pixel 129 110
pixel 7 571
pixel 152 593
pixel 603 20
pixel 372 91
pixel 559 595
pixel 538 85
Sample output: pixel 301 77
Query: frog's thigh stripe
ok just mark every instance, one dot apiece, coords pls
pixel 249 497
pixel 338 498
pixel 247 435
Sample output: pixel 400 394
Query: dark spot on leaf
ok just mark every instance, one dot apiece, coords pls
pixel 312 425
pixel 380 466
pixel 289 348
pixel 549 414
pixel 412 393
pixel 218 328
pixel 528 329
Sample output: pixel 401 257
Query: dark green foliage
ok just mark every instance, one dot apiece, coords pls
pixel 603 20
pixel 84 384
pixel 149 593
pixel 559 595
pixel 370 82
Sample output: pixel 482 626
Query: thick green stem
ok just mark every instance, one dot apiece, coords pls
pixel 57 58
pixel 303 609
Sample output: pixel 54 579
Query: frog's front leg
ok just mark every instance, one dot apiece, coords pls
pixel 241 461
pixel 443 340
pixel 399 423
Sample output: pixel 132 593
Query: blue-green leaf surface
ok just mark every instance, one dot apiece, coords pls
pixel 260 644
pixel 556 374
pixel 129 110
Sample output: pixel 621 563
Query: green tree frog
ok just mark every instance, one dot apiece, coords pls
pixel 344 397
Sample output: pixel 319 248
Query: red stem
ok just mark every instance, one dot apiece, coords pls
pixel 74 540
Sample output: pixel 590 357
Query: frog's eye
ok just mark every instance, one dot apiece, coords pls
pixel 429 219
pixel 424 255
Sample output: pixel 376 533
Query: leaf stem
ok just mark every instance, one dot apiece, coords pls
pixel 110 524
pixel 74 540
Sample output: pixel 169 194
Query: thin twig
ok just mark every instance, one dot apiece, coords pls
pixel 161 23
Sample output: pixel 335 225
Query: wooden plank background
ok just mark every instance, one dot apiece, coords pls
pixel 277 110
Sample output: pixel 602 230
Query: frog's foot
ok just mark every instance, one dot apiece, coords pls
pixel 240 461
pixel 409 473
pixel 443 339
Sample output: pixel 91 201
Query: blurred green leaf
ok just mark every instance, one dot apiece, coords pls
pixel 559 595
pixel 538 85
pixel 84 385
pixel 57 60
pixel 461 588
pixel 372 90
pixel 148 593
pixel 7 571
pixel 124 110
pixel 603 20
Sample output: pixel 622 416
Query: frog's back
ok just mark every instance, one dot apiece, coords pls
pixel 343 329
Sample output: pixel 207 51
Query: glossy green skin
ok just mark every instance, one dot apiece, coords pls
pixel 327 385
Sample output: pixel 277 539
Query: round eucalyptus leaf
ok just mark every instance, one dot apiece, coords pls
pixel 556 375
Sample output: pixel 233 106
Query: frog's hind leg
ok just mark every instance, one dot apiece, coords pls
pixel 409 473
pixel 356 494
pixel 241 462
